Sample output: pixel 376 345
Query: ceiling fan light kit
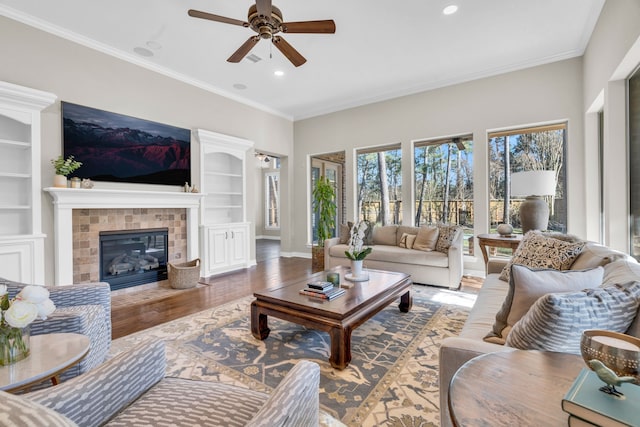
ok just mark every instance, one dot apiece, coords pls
pixel 266 20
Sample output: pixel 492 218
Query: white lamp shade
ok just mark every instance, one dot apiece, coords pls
pixel 533 183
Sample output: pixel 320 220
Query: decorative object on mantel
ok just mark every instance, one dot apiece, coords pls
pixel 63 168
pixel 17 314
pixel 75 182
pixel 504 230
pixel 615 357
pixel 194 189
pixel 357 253
pixel 86 183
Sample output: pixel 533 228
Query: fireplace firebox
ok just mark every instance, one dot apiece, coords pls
pixel 133 257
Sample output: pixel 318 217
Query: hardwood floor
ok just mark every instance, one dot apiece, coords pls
pixel 272 271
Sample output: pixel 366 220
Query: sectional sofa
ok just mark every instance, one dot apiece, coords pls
pixel 618 269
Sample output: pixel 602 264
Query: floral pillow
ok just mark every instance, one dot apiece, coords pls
pixel 446 235
pixel 539 251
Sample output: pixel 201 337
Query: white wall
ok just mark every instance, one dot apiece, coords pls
pixel 541 94
pixel 612 54
pixel 77 74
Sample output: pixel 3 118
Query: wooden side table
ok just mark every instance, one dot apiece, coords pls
pixel 50 355
pixel 513 388
pixel 497 241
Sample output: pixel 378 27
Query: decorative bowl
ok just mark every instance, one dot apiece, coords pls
pixel 619 352
pixel 504 229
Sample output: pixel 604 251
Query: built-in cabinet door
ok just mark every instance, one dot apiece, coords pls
pixel 239 235
pixel 216 253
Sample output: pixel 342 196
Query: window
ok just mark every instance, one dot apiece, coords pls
pixel 633 97
pixel 520 150
pixel 444 183
pixel 379 185
pixel 272 200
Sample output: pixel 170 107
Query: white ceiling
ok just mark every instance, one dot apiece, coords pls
pixel 381 49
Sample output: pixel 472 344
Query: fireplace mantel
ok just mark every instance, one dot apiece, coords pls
pixel 67 199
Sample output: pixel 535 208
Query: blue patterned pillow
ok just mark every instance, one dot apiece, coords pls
pixel 556 321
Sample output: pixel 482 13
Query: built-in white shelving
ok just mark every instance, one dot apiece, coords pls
pixel 21 238
pixel 224 227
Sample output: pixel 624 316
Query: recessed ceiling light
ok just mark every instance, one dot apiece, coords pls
pixel 240 86
pixel 142 51
pixel 450 10
pixel 154 45
pixel 278 73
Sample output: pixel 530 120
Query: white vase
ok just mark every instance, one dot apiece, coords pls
pixel 60 181
pixel 356 268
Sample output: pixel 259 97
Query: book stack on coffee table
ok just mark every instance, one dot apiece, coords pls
pixel 322 290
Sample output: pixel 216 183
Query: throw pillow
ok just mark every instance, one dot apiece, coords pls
pixel 385 235
pixel 345 233
pixel 556 321
pixel 426 239
pixel 368 234
pixel 446 235
pixel 540 251
pixel 527 285
pixel 407 241
pixel 621 271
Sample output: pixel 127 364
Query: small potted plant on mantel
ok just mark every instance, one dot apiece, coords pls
pixel 63 168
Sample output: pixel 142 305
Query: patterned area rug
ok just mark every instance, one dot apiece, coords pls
pixel 392 379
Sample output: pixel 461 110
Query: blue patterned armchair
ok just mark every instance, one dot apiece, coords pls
pixel 131 389
pixel 84 309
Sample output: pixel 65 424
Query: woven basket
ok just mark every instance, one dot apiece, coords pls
pixel 184 275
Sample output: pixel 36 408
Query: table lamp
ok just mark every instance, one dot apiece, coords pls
pixel 534 211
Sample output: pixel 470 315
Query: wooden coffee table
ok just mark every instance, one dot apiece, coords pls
pixel 340 316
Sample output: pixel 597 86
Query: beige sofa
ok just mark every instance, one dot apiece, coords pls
pixel 429 268
pixel 455 351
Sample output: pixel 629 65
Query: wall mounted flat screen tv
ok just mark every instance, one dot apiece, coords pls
pixel 117 148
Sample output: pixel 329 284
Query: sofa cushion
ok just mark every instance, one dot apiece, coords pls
pixel 426 239
pixel 594 255
pixel 407 240
pixel 385 235
pixel 556 321
pixel 621 271
pixel 446 235
pixel 402 229
pixel 398 255
pixel 539 251
pixel 527 285
pixel 20 411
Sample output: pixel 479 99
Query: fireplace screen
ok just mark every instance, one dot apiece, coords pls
pixel 133 257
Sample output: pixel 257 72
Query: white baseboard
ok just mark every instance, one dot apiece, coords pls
pixel 267 237
pixel 295 255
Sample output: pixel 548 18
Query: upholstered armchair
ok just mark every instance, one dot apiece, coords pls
pixel 83 308
pixel 131 389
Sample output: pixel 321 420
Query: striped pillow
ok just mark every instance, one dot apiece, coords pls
pixel 556 321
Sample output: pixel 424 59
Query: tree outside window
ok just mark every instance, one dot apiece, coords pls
pixel 520 150
pixel 380 185
pixel 444 183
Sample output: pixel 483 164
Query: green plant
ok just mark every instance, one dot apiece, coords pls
pixel 65 166
pixel 324 196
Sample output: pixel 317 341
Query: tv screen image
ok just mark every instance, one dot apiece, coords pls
pixel 117 148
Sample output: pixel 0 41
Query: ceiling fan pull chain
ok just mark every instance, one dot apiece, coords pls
pixel 271 49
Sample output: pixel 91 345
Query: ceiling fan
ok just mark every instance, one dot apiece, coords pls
pixel 266 20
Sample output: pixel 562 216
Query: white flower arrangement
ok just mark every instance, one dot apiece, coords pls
pixel 32 302
pixel 356 251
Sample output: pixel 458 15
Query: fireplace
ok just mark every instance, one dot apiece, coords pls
pixel 133 257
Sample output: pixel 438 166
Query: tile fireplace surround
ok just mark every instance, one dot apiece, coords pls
pixel 80 214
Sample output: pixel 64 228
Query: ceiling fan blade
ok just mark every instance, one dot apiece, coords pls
pixel 264 7
pixel 322 27
pixel 244 49
pixel 218 18
pixel 288 51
